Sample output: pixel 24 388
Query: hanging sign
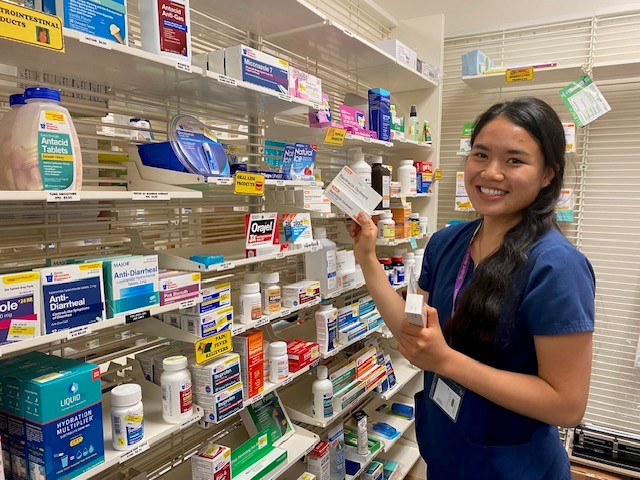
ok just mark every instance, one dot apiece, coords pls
pixel 519 74
pixel 31 27
pixel 584 101
pixel 248 183
pixel 335 136
pixel 211 347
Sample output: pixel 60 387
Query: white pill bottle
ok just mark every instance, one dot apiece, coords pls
pixel 127 417
pixel 177 399
pixel 45 151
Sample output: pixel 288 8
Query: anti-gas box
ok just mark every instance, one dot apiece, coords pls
pixel 63 421
pixel 72 296
pixel 19 307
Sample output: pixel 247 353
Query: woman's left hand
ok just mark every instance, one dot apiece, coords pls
pixel 425 347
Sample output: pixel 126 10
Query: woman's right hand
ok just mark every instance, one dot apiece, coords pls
pixel 364 238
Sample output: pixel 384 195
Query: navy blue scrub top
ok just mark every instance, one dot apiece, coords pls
pixel 487 442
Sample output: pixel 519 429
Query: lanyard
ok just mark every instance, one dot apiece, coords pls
pixel 463 270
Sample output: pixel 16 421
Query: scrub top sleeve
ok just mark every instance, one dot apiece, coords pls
pixel 424 281
pixel 559 293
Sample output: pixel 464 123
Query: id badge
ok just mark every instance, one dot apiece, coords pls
pixel 448 395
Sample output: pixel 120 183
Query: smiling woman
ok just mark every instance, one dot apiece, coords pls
pixel 507 346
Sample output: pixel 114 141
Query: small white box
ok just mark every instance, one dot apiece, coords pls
pixel 400 52
pixel 300 293
pixel 413 309
pixel 212 462
pixel 317 207
pixel 310 195
pixel 206 324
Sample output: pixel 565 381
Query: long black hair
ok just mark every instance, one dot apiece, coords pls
pixel 472 329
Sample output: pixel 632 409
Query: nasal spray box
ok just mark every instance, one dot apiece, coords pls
pixel 131 283
pixel 19 307
pixel 72 296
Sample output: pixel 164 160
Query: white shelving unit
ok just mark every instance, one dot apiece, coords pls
pixel 404 371
pixel 404 452
pixel 401 241
pixel 376 411
pixel 547 75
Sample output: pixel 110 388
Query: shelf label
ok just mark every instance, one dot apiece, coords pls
pixel 284 96
pixel 135 316
pixel 227 80
pixel 192 302
pixel 366 139
pixel 98 42
pixel 137 450
pixel 224 266
pixel 248 184
pixel 263 322
pixel 413 243
pixel 183 67
pixel 280 183
pixel 335 136
pixel 255 398
pixel 223 181
pixel 151 196
pixel 288 380
pixel 237 330
pixel 438 175
pixel 63 196
pixel 240 209
pixel 30 26
pixel 211 347
pixel 285 312
pixel 348 33
pixel 191 421
pixel 78 332
pixel 519 74
pixel 280 255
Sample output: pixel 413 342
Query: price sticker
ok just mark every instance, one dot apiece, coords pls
pixel 227 80
pixel 137 450
pixel 280 183
pixel 224 266
pixel 136 316
pixel 78 332
pixel 285 312
pixel 151 196
pixel 192 302
pixel 366 139
pixel 63 196
pixel 237 330
pixel 347 32
pixel 224 181
pixel 287 381
pixel 183 67
pixel 95 41
pixel 191 421
pixel 280 255
pixel 285 97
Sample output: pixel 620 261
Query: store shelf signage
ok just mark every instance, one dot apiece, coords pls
pixel 249 184
pixel 211 347
pixel 519 74
pixel 335 136
pixel 31 27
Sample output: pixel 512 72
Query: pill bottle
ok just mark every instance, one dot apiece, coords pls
pixel 278 362
pixel 250 302
pixel 407 177
pixel 127 417
pixel 271 293
pixel 386 226
pixel 177 401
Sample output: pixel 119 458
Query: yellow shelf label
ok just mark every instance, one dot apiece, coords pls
pixel 248 184
pixel 519 74
pixel 335 136
pixel 438 175
pixel 211 347
pixel 31 27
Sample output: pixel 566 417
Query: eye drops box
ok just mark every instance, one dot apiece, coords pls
pixel 19 307
pixel 72 296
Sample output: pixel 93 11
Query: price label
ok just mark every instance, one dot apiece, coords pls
pixel 335 136
pixel 262 322
pixel 347 32
pixel 183 67
pixel 285 97
pixel 256 398
pixel 280 255
pixel 280 183
pixel 438 175
pixel 240 209
pixel 227 80
pixel 413 242
pixel 188 423
pixel 285 312
pixel 287 381
pixel 237 330
pixel 63 196
pixel 519 74
pixel 151 196
pixel 317 106
pixel 192 302
pixel 249 184
pixel 224 266
pixel 211 347
pixel 78 332
pixel 95 41
pixel 223 181
pixel 136 316
pixel 366 139
pixel 137 450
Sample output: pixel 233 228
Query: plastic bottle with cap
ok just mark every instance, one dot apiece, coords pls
pixel 177 400
pixel 415 133
pixel 381 181
pixel 386 226
pixel 16 101
pixel 127 416
pixel 250 302
pixel 321 265
pixel 407 177
pixel 360 166
pixel 322 390
pixel 278 362
pixel 44 155
pixel 271 293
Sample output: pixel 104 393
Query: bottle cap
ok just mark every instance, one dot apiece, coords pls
pixel 273 277
pixel 322 372
pixel 277 349
pixel 250 288
pixel 125 395
pixel 406 162
pixel 376 159
pixel 385 261
pixel 174 363
pixel 386 214
pixel 42 92
pixel 252 277
pixel 16 99
pixel 325 307
pixel 396 259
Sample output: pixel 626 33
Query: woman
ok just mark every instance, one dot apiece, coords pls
pixel 507 346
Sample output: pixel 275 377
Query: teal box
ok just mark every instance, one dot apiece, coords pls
pixel 131 283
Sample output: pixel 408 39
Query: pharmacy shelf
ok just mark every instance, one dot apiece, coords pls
pixel 406 453
pixel 404 371
pixel 155 428
pixel 602 71
pixel 379 411
pixel 412 195
pixel 410 147
pixel 238 328
pixel 93 195
pixel 297 446
pixel 342 291
pixel 401 241
pixel 369 458
pixel 341 347
pixel 297 401
pixel 548 75
pixel 271 387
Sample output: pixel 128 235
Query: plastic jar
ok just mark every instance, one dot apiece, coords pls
pixel 6 130
pixel 127 417
pixel 386 226
pixel 45 151
pixel 398 270
pixel 250 302
pixel 386 265
pixel 271 293
pixel 407 177
pixel 415 224
pixel 278 362
pixel 177 400
pixel 424 225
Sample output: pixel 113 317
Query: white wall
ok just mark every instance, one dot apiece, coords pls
pixel 464 16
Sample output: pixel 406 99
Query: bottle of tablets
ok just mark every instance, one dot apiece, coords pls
pixel 177 401
pixel 127 417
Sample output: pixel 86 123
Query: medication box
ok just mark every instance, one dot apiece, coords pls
pixel 214 297
pixel 400 52
pixel 19 307
pixel 206 324
pixel 297 228
pixel 177 287
pixel 305 86
pixel 249 346
pixel 223 404
pixel 301 354
pixel 300 293
pixel 212 462
pixel 104 20
pixel 256 67
pixel 475 62
pixel 222 373
pixel 318 462
pixel 380 113
pixel 131 283
pixel 72 296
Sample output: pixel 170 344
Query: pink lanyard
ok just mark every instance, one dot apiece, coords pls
pixel 463 270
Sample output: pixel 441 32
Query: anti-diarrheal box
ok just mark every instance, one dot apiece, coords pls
pixel 19 306
pixel 72 296
pixel 131 283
